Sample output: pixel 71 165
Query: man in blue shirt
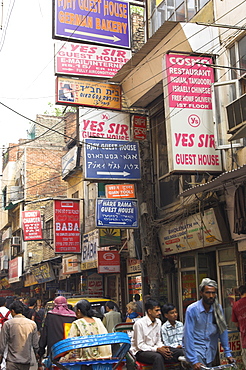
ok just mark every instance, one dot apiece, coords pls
pixel 204 325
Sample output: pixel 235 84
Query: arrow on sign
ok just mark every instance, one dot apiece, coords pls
pixel 112 222
pixel 124 173
pixel 114 38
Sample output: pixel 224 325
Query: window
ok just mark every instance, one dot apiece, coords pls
pixel 76 194
pixel 172 10
pixel 49 235
pixel 4 197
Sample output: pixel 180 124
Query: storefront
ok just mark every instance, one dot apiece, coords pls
pixel 200 246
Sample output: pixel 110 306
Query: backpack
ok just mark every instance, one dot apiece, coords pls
pixel 4 318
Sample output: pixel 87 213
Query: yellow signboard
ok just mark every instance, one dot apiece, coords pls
pixel 70 91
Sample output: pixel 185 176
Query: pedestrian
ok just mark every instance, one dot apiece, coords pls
pixel 20 335
pixel 86 324
pixel 54 324
pixel 30 309
pixel 139 304
pixel 204 325
pixel 147 345
pixel 239 317
pixel 111 317
pixel 131 312
pixel 5 315
pixel 172 331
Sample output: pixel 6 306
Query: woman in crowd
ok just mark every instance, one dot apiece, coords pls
pixel 87 324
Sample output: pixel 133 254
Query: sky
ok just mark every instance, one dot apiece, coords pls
pixel 27 82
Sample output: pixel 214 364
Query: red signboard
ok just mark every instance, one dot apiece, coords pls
pixel 15 269
pixel 31 225
pixel 139 127
pixel 67 226
pixel 108 262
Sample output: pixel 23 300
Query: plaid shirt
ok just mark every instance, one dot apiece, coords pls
pixel 172 335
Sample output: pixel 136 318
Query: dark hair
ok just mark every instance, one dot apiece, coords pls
pixel 137 297
pixel 2 301
pixel 85 308
pixel 32 301
pixel 9 300
pixel 242 289
pixel 166 308
pixel 17 306
pixel 150 304
pixel 110 305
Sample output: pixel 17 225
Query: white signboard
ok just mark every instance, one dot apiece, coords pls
pixel 189 117
pixel 89 60
pixel 90 246
pixel 190 233
pixel 106 124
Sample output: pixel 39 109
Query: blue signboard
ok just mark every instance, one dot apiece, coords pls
pixel 99 21
pixel 111 159
pixel 117 213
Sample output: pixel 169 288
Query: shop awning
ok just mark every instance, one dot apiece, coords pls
pixel 234 176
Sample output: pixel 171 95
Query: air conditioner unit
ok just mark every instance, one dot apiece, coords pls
pixel 15 240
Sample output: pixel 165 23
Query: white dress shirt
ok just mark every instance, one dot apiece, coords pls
pixel 146 335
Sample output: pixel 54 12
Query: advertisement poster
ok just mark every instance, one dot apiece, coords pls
pixel 108 262
pixel 111 160
pixel 90 246
pixel 89 60
pixel 120 191
pixel 101 123
pixel 235 346
pixel 102 22
pixel 31 225
pixel 190 233
pixel 189 117
pixel 139 127
pixel 15 269
pixel 70 265
pixel 67 226
pixel 43 273
pixel 118 213
pixel 70 91
pixel 95 285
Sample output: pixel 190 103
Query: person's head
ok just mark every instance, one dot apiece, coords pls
pixel 169 311
pixel 137 297
pixel 2 301
pixel 83 309
pixel 146 297
pixel 208 291
pixel 32 302
pixel 152 307
pixel 16 308
pixel 131 307
pixel 60 301
pixel 109 306
pixel 242 289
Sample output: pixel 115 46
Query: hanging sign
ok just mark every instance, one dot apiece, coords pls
pixel 89 60
pixel 108 262
pixel 31 225
pixel 103 22
pixel 67 226
pixel 87 93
